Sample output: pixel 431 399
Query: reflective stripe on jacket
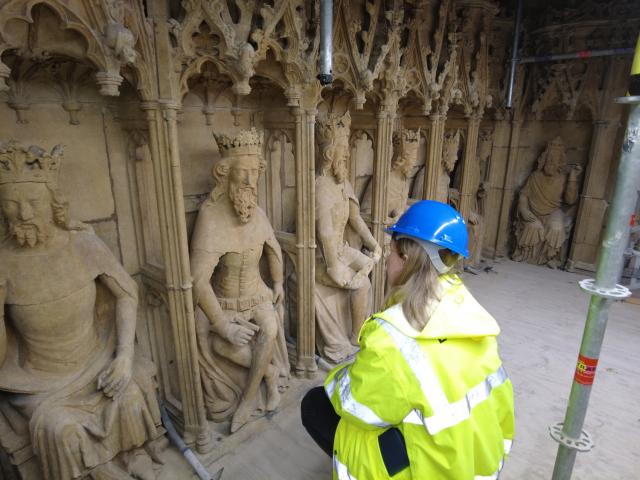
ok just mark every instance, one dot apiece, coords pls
pixel 445 388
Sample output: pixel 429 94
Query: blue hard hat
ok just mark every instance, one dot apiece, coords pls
pixel 434 222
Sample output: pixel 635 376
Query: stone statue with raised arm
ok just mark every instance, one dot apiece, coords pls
pixel 543 222
pixel 73 391
pixel 405 156
pixel 243 356
pixel 450 147
pixel 341 270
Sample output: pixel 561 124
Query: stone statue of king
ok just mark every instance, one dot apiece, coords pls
pixel 73 393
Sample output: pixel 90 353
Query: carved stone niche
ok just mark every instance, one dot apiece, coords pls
pixel 447 180
pixel 77 397
pixel 477 221
pixel 244 362
pixel 29 76
pixel 342 291
pixel 545 208
pixel 58 31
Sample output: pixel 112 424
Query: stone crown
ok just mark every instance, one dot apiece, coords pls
pixel 333 126
pixel 408 136
pixel 246 142
pixel 21 164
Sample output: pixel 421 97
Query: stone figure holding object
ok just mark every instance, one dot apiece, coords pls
pixel 72 388
pixel 243 356
pixel 341 270
pixel 543 222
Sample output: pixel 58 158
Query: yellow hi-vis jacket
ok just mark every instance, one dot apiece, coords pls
pixel 444 388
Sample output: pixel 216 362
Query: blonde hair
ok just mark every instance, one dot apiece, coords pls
pixel 417 287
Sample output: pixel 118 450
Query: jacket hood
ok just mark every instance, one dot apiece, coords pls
pixel 458 315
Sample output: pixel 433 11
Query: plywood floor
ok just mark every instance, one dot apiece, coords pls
pixel 542 315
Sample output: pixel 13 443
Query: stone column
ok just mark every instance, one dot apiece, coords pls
pixel 496 175
pixel 434 156
pixel 470 167
pixel 381 167
pixel 305 239
pixel 163 140
pixel 504 225
pixel 592 203
pixel 163 144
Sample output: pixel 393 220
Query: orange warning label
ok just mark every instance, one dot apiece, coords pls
pixel 585 370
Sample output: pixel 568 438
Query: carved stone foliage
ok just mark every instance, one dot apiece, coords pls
pixel 568 90
pixel 236 36
pixel 590 25
pixel 475 26
pixel 564 87
pixel 383 48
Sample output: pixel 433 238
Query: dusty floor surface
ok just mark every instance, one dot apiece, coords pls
pixel 542 315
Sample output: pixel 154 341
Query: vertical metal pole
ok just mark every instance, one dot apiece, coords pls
pixel 326 41
pixel 604 291
pixel 514 55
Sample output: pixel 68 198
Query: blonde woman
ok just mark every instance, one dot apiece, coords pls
pixel 426 396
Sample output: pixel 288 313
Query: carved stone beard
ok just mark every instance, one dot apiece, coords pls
pixel 30 233
pixel 449 164
pixel 339 170
pixel 404 163
pixel 244 199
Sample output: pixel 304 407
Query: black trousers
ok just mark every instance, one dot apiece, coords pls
pixel 319 418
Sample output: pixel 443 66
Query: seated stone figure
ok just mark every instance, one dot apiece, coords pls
pixel 243 356
pixel 543 222
pixel 72 390
pixel 342 293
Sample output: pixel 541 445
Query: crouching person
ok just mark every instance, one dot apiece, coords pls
pixel 427 396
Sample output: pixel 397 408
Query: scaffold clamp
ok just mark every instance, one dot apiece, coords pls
pixel 582 444
pixel 619 292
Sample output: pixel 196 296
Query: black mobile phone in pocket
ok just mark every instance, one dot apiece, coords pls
pixel 393 451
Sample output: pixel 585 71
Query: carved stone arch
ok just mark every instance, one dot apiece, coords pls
pixel 358 133
pixel 98 51
pixel 334 95
pixel 280 176
pixel 196 67
pixel 140 77
pixel 17 10
pixel 346 81
pixel 272 69
pixel 276 134
pixel 411 100
pixel 361 164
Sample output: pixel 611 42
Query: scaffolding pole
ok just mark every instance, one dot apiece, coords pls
pixel 514 55
pixel 603 290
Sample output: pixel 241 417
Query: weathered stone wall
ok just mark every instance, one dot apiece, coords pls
pixel 135 92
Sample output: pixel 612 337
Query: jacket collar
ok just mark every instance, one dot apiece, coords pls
pixel 458 315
